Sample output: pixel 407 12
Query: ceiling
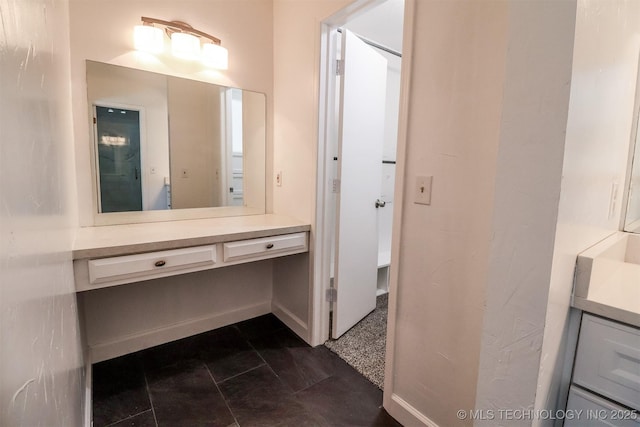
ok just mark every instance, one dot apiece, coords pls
pixel 381 24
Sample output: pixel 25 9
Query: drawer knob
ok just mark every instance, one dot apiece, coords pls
pixel 160 263
pixel 269 245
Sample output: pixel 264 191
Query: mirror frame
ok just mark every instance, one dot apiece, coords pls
pixel 137 217
pixel 634 150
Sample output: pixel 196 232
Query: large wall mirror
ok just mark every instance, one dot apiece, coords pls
pixel 164 143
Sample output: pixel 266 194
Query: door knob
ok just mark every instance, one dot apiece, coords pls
pixel 380 204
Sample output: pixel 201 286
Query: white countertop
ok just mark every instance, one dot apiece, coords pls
pixel 607 284
pixel 126 239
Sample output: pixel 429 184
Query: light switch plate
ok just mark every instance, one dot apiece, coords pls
pixel 422 192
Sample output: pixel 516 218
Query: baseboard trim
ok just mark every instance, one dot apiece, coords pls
pixel 294 323
pixel 88 399
pixel 406 414
pixel 140 341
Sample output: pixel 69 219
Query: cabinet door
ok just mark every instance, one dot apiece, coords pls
pixel 608 360
pixel 588 410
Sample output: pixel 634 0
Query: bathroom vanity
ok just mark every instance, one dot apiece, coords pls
pixel 176 240
pixel 141 285
pixel 605 384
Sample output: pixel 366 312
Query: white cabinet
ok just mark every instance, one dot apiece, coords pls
pixel 606 375
pixel 589 410
pixel 95 273
pixel 608 360
pixel 151 265
pixel 267 247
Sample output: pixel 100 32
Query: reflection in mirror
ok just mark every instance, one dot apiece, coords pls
pixel 118 148
pixel 164 142
pixel 632 219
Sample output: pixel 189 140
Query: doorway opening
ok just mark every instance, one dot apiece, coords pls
pixel 118 163
pixel 358 161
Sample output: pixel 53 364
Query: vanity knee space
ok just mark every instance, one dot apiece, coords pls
pixel 131 298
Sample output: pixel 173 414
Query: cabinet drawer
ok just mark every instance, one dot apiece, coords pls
pixel 588 410
pixel 265 247
pixel 150 265
pixel 608 360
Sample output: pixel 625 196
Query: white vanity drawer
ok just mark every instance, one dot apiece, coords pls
pixel 266 247
pixel 608 360
pixel 150 265
pixel 588 410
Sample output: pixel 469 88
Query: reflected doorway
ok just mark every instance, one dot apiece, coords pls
pixel 117 134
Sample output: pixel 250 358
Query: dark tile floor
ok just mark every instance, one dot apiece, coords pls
pixel 254 373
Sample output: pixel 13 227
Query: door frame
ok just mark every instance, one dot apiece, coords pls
pixel 143 149
pixel 327 124
pixel 400 409
pixel 320 307
pixel 229 154
pixel 321 249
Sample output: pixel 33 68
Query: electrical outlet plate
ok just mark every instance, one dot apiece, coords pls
pixel 422 191
pixel 279 179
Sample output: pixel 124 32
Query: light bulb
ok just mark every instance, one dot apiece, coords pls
pixel 215 56
pixel 148 39
pixel 185 46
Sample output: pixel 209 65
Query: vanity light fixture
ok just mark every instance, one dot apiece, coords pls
pixel 148 39
pixel 215 56
pixel 185 46
pixel 185 42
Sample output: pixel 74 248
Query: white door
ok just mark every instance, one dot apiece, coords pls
pixel 234 167
pixel 361 137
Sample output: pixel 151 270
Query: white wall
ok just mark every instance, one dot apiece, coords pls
pixel 40 358
pixel 245 28
pixel 603 87
pixel 527 190
pixel 296 27
pixel 441 251
pixel 487 115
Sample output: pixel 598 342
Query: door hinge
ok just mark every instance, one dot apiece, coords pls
pixel 331 295
pixel 95 120
pixel 335 186
pixel 339 67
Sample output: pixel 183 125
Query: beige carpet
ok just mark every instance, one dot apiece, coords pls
pixel 363 346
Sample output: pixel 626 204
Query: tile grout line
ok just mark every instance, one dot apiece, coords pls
pixel 241 373
pixel 257 352
pixel 127 418
pixel 146 383
pixel 295 393
pixel 270 368
pixel 222 394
